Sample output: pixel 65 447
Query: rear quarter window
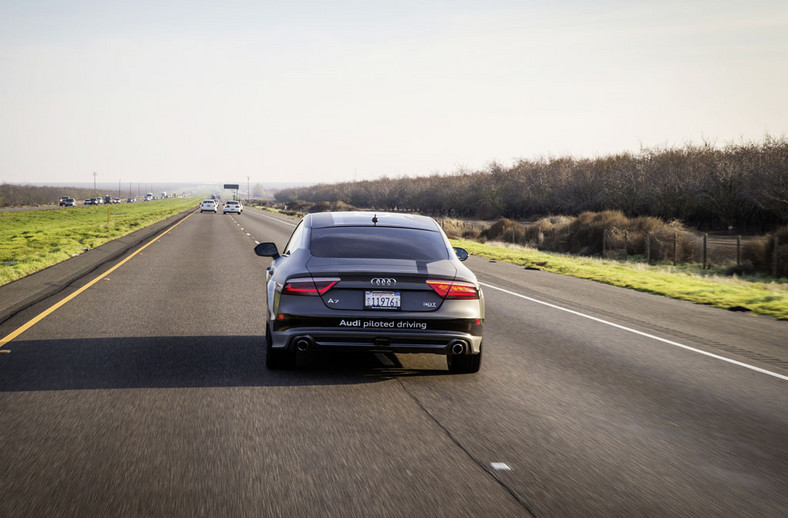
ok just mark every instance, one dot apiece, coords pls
pixel 378 243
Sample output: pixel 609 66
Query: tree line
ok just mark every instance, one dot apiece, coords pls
pixel 14 195
pixel 743 185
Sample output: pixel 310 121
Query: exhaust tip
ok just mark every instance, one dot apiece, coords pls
pixel 457 347
pixel 302 344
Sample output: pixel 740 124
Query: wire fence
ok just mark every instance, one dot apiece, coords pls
pixel 708 251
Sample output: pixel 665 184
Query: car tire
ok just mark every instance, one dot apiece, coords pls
pixel 277 359
pixel 465 364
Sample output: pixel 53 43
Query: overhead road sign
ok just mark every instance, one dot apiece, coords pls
pixel 231 186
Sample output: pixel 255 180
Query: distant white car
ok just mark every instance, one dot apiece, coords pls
pixel 233 206
pixel 208 206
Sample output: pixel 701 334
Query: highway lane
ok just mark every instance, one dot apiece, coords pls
pixel 146 395
pixel 649 414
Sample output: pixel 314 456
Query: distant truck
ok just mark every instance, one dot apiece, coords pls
pixel 163 195
pixel 148 197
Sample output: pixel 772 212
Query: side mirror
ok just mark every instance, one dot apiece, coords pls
pixel 267 250
pixel 462 254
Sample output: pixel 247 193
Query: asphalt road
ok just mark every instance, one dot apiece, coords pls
pixel 146 395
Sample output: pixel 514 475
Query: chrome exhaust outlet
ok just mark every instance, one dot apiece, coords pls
pixel 302 344
pixel 457 347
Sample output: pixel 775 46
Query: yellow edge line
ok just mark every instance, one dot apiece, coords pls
pixel 38 318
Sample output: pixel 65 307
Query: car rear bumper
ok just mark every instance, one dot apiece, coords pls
pixel 444 342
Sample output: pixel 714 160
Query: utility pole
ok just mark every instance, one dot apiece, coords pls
pixel 248 191
pixel 95 192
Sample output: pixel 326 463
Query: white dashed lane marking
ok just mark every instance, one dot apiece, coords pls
pixel 500 466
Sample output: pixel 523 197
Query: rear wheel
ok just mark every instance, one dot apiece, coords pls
pixel 277 359
pixel 465 364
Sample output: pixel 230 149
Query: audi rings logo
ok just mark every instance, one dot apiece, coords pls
pixel 383 281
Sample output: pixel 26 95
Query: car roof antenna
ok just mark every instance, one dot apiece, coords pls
pixel 375 219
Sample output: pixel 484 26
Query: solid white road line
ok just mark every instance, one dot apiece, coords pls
pixel 641 333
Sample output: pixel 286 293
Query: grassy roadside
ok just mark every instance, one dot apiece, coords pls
pixel 763 297
pixel 33 240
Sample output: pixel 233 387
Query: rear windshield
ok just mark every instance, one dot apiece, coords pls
pixel 378 243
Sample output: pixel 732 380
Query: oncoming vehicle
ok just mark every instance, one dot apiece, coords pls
pixel 69 202
pixel 360 281
pixel 232 206
pixel 208 205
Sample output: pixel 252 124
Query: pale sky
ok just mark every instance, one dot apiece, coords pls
pixel 309 91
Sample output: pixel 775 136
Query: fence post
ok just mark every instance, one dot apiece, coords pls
pixel 705 250
pixel 626 243
pixel 776 255
pixel 675 248
pixel 738 250
pixel 648 247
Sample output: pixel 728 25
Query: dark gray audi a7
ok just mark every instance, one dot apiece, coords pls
pixel 364 281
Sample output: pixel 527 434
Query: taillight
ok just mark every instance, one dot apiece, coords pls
pixel 455 289
pixel 309 287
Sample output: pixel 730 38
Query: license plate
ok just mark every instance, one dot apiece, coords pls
pixel 381 300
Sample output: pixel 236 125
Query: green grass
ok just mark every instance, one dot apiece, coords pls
pixel 763 296
pixel 33 240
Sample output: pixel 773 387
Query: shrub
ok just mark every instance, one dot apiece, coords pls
pixel 760 253
pixel 586 232
pixel 330 206
pixel 504 230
